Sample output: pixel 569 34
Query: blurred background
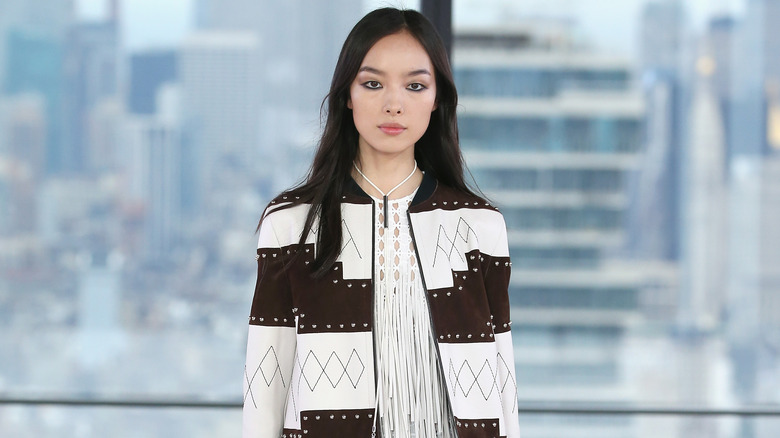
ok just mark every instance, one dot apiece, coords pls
pixel 632 145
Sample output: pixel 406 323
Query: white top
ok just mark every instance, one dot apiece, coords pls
pixel 410 390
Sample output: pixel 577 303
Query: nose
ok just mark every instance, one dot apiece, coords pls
pixel 393 109
pixel 393 105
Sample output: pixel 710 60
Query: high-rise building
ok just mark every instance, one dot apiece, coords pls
pixel 551 132
pixel 718 45
pixel 662 36
pixel 23 133
pixel 755 79
pixel 46 19
pixel 148 72
pixel 654 217
pixel 153 149
pixel 704 209
pixel 37 68
pixel 288 121
pixel 753 127
pixel 220 95
pixel 92 74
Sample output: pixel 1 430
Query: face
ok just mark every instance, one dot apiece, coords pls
pixel 393 95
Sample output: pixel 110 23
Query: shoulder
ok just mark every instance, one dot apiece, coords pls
pixel 281 218
pixel 448 198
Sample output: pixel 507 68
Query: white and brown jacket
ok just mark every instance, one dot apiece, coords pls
pixel 310 354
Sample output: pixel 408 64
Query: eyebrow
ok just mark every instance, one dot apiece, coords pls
pixel 422 71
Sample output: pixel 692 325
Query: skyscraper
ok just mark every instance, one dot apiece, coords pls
pixel 755 78
pixel 654 217
pixel 288 121
pixel 154 147
pixel 704 208
pixel 38 69
pixel 92 74
pixel 551 131
pixel 148 72
pixel 753 126
pixel 46 19
pixel 220 100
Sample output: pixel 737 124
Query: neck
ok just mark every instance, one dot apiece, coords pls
pixel 386 175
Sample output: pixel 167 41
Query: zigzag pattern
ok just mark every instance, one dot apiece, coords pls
pixel 464 378
pixel 312 370
pixel 447 246
pixel 270 354
pixel 350 240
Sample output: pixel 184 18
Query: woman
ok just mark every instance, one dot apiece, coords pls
pixel 381 304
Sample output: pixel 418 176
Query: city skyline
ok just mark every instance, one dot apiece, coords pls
pixel 130 237
pixel 149 25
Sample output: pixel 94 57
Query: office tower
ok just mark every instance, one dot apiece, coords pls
pixel 751 323
pixel 654 217
pixel 149 70
pixel 37 69
pixel 23 132
pixel 551 131
pixel 704 208
pixel 46 19
pixel 220 100
pixel 294 73
pixel 755 78
pixel 103 123
pixel 153 149
pixel 92 75
pixel 717 42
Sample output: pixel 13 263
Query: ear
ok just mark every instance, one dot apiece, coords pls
pixel 349 102
pixel 435 106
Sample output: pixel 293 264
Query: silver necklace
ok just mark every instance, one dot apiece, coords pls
pixel 385 195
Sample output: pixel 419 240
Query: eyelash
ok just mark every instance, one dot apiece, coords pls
pixel 368 84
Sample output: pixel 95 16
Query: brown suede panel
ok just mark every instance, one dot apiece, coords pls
pixel 345 423
pixel 446 198
pixel 496 272
pixel 272 304
pixel 462 313
pixel 479 428
pixel 330 303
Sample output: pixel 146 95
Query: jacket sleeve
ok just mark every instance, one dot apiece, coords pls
pixel 497 269
pixel 271 342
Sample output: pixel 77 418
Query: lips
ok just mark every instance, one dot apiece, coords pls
pixel 392 128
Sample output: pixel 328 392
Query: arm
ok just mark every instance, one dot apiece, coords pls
pixel 271 342
pixel 497 269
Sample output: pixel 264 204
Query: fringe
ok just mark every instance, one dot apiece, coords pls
pixel 411 401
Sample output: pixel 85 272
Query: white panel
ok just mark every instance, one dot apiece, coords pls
pixel 471 371
pixel 269 365
pixel 507 382
pixel 357 247
pixel 332 371
pixel 283 228
pixel 444 237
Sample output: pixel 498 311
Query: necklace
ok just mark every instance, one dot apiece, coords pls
pixel 385 195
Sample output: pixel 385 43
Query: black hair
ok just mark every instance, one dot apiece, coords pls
pixel 437 152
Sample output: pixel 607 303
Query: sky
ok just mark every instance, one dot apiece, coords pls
pixel 610 25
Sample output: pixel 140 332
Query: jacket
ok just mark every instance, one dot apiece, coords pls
pixel 310 352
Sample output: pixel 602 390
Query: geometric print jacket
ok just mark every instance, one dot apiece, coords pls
pixel 309 369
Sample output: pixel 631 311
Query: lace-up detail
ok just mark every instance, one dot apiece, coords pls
pixel 411 394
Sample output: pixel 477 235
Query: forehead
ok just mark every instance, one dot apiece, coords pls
pixel 398 52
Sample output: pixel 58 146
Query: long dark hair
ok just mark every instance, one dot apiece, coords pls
pixel 437 152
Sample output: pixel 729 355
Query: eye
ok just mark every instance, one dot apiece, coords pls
pixel 372 85
pixel 416 87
